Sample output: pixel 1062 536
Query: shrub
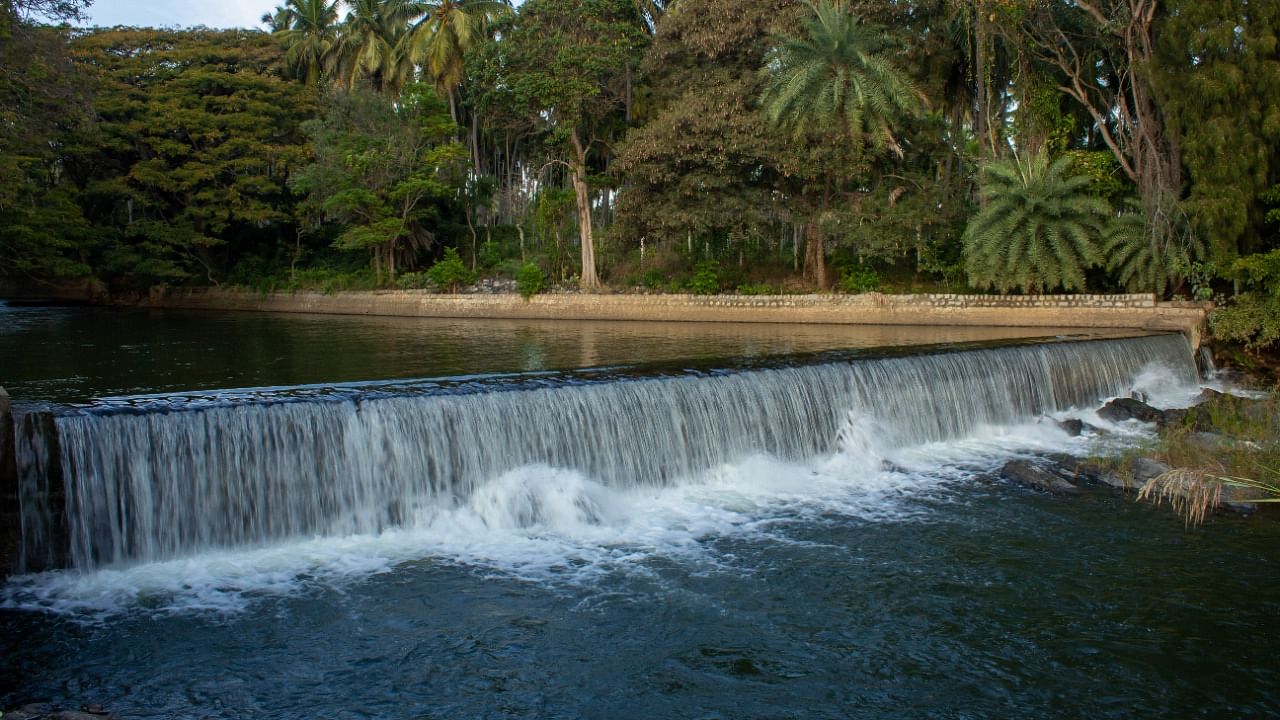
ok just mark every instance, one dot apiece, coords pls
pixel 415 281
pixel 757 289
pixel 530 281
pixel 450 272
pixel 859 279
pixel 706 278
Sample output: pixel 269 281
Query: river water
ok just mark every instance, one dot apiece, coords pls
pixel 864 565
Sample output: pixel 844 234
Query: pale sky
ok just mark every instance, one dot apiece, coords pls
pixel 180 13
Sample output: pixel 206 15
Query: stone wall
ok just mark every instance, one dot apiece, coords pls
pixel 1084 311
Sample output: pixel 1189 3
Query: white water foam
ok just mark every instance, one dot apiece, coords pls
pixel 549 524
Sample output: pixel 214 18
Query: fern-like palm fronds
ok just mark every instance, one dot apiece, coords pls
pixel 1040 229
pixel 837 74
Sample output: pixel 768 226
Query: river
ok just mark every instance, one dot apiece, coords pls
pixel 447 519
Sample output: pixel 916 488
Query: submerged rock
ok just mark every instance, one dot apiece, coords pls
pixel 1072 426
pixel 1122 409
pixel 1036 477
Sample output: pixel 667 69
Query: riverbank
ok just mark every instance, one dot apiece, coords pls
pixel 1139 312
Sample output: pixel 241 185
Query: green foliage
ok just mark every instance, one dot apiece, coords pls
pixel 438 41
pixel 1040 229
pixel 757 289
pixel 197 135
pixel 1253 318
pixel 1146 262
pixel 856 279
pixel 308 29
pixel 387 173
pixel 415 281
pixel 838 75
pixel 530 280
pixel 450 273
pixel 1218 71
pixel 706 278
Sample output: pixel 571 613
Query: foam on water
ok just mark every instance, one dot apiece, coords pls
pixel 566 522
pixel 554 525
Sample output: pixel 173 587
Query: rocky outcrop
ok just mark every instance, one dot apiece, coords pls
pixel 1122 409
pixel 1033 476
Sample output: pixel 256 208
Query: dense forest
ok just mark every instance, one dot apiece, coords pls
pixel 756 146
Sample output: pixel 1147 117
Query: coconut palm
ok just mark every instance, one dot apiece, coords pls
pixel 1040 228
pixel 439 40
pixel 369 44
pixel 309 30
pixel 838 76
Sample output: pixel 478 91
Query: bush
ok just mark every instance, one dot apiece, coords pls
pixel 450 272
pixel 706 278
pixel 859 279
pixel 757 289
pixel 530 281
pixel 415 281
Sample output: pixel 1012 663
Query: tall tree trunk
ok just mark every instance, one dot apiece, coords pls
pixel 582 193
pixel 475 142
pixel 1126 114
pixel 815 262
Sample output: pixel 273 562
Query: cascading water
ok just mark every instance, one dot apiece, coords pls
pixel 164 481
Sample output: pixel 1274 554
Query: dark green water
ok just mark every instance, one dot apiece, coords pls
pixel 914 586
pixel 72 354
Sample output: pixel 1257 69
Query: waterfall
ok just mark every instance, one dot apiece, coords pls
pixel 171 479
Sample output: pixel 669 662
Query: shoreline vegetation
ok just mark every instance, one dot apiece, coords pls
pixel 755 147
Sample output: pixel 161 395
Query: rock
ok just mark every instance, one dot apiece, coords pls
pixel 1076 470
pixel 1207 394
pixel 1143 469
pixel 1072 426
pixel 1175 417
pixel 1122 409
pixel 1032 476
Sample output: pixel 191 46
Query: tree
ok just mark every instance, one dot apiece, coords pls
pixel 44 103
pixel 1040 229
pixel 1218 75
pixel 387 172
pixel 706 164
pixel 569 64
pixel 369 45
pixel 835 78
pixel 309 31
pixel 197 134
pixel 440 39
pixel 1105 52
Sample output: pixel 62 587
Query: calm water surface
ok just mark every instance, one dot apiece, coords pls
pixel 71 354
pixel 917 588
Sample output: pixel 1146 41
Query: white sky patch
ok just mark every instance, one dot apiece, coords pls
pixel 180 13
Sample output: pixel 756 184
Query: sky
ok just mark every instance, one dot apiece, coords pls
pixel 180 13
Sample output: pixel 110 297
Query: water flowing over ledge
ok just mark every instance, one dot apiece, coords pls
pixel 162 481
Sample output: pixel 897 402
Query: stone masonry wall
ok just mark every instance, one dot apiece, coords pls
pixel 1141 312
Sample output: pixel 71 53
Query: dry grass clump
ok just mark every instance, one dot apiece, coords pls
pixel 1227 450
pixel 1193 493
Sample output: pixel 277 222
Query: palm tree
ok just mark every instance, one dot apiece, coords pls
pixel 369 44
pixel 836 79
pixel 1144 263
pixel 439 40
pixel 838 76
pixel 309 29
pixel 1040 228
